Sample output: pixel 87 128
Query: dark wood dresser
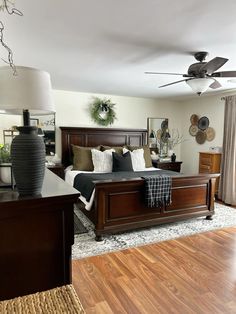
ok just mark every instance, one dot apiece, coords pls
pixel 36 235
pixel 168 165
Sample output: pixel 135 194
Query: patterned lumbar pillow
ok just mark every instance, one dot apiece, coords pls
pixel 122 162
pixel 102 161
pixel 137 158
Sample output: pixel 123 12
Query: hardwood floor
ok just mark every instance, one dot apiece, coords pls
pixel 195 274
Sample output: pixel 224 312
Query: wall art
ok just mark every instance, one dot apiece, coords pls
pixel 200 129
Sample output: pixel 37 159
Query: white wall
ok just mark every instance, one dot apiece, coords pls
pixel 72 110
pixel 211 107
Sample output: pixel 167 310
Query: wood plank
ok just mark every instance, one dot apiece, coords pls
pixel 194 274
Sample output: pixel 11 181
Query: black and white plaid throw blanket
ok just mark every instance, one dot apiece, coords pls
pixel 157 190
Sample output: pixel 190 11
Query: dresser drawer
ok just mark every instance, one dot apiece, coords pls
pixel 172 166
pixel 165 166
pixel 206 160
pixel 204 169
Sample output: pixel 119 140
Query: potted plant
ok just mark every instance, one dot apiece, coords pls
pixel 5 155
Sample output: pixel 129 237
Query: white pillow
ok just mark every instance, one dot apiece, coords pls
pixel 137 158
pixel 102 161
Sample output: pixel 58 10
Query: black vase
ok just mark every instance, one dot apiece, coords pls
pixel 173 157
pixel 28 161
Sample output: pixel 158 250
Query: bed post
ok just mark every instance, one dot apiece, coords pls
pixel 212 182
pixel 100 205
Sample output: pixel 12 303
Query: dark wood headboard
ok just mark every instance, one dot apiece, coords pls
pixel 92 137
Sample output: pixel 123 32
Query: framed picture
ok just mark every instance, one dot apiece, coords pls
pixel 34 122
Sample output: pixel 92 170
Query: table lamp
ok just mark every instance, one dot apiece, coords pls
pixel 27 92
pixel 153 136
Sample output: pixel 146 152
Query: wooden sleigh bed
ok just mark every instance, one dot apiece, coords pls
pixel 119 205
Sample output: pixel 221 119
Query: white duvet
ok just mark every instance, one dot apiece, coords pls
pixel 71 174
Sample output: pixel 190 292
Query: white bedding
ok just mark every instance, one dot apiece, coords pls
pixel 71 174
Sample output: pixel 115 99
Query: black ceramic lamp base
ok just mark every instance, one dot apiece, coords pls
pixel 28 161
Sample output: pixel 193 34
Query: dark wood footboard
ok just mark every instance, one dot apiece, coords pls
pixel 119 205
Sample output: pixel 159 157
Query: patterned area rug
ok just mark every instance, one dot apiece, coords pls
pixel 78 226
pixel 85 245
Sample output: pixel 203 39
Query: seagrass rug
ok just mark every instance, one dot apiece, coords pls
pixel 60 300
pixel 85 245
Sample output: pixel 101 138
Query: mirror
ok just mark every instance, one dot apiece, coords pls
pixel 158 135
pixel 46 125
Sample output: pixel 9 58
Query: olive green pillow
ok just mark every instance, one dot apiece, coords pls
pixel 82 158
pixel 146 154
pixel 117 149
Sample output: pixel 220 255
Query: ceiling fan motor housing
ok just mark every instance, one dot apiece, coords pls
pixel 201 55
pixel 195 70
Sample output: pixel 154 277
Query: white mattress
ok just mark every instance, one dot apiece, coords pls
pixel 71 174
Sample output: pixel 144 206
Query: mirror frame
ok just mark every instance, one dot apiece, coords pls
pixel 47 125
pixel 155 127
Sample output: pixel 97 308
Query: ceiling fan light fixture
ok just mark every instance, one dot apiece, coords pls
pixel 200 85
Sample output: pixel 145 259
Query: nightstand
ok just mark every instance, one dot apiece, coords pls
pixel 58 170
pixel 168 165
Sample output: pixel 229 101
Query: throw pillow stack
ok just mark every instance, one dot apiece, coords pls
pixel 111 159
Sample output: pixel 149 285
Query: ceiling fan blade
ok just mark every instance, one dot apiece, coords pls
pixel 224 74
pixel 215 85
pixel 172 83
pixel 213 65
pixel 164 73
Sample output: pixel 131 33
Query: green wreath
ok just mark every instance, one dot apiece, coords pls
pixel 102 111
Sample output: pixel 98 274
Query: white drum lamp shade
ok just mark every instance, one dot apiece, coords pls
pixel 27 92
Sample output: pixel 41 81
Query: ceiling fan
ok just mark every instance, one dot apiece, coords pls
pixel 201 75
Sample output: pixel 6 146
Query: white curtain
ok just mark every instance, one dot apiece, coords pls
pixel 227 190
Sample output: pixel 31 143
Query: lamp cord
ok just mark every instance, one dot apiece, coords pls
pixel 10 53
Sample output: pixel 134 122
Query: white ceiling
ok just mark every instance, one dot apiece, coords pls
pixel 105 46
